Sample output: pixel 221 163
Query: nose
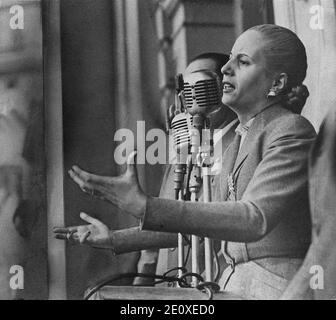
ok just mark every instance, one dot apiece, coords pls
pixel 227 69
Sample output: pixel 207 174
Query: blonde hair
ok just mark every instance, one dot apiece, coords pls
pixel 285 53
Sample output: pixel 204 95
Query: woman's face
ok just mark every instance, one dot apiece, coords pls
pixel 245 80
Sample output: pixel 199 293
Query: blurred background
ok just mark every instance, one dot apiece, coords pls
pixel 72 72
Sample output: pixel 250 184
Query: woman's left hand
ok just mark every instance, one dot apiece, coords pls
pixel 122 191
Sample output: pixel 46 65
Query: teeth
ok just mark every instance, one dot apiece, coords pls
pixel 228 86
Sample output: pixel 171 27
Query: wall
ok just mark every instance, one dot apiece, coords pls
pixel 22 167
pixel 315 23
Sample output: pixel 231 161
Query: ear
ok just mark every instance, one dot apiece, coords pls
pixel 280 83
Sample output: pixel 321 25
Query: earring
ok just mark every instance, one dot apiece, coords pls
pixel 273 92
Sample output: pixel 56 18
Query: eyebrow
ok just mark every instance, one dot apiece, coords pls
pixel 239 55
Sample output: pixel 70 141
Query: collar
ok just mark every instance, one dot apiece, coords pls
pixel 243 129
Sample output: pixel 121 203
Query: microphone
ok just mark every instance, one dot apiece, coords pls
pixel 202 92
pixel 181 122
pixel 181 126
pixel 201 95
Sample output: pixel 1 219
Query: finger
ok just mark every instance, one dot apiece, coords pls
pixel 92 188
pixel 89 188
pixel 61 236
pixel 64 230
pixel 131 164
pixel 74 176
pixel 73 240
pixel 75 237
pixel 90 219
pixel 88 177
pixel 84 236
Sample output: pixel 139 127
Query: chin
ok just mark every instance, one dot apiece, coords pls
pixel 231 103
pixel 228 101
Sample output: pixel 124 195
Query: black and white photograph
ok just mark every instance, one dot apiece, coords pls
pixel 181 151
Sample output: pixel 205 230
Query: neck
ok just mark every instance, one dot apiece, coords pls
pixel 245 114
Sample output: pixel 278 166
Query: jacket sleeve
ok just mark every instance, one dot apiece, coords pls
pixel 278 183
pixel 134 239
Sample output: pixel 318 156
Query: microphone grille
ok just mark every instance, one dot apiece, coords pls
pixel 180 128
pixel 202 92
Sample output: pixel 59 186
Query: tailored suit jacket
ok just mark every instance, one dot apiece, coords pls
pixel 316 278
pixel 271 214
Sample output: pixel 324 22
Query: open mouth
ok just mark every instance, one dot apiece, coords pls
pixel 228 87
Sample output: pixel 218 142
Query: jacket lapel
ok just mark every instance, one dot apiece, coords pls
pixel 225 172
pixel 248 143
pixel 253 134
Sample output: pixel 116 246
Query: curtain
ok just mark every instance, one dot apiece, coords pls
pixel 109 82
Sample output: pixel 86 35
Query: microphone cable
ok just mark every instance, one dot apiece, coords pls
pixel 206 287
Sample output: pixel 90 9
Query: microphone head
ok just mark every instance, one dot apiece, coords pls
pixel 202 92
pixel 181 125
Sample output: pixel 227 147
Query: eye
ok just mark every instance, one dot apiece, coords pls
pixel 243 62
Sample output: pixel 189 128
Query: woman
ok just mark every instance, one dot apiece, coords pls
pixel 261 200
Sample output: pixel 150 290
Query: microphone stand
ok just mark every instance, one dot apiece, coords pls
pixel 198 160
pixel 180 170
pixel 200 153
pixel 194 188
pixel 206 173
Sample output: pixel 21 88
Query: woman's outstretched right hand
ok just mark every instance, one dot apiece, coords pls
pixel 94 234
